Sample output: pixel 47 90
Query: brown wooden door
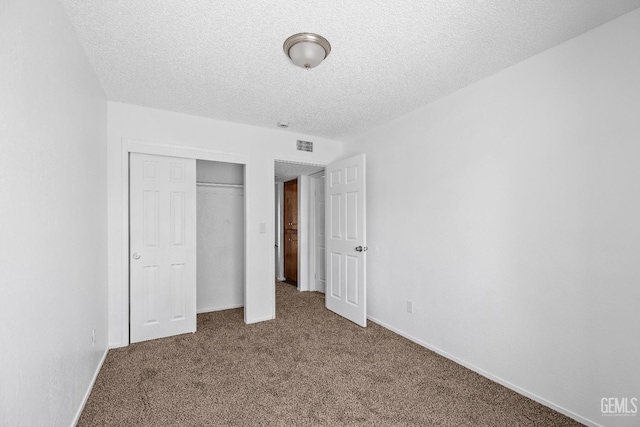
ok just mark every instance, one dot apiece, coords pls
pixel 291 231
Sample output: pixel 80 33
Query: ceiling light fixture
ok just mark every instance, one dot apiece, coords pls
pixel 283 125
pixel 306 50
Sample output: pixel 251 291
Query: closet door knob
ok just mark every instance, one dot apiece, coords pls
pixel 136 256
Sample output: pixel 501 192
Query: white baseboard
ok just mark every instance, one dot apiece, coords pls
pixel 281 279
pixel 116 345
pixel 224 307
pixel 260 319
pixel 488 375
pixel 88 392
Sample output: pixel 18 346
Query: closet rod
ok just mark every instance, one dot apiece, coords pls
pixel 211 184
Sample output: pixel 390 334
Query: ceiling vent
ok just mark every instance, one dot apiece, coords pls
pixel 304 146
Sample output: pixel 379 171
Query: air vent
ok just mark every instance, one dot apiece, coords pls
pixel 305 146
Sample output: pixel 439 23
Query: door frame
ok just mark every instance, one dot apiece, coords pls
pixel 313 224
pixel 304 233
pixel 304 226
pixel 279 231
pixel 189 152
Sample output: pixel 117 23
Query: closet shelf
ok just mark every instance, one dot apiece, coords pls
pixel 211 184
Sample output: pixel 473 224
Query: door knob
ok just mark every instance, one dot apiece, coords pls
pixel 136 256
pixel 361 248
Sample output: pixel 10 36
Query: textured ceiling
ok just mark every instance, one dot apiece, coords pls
pixel 224 59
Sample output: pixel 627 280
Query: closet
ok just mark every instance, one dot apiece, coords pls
pixel 220 236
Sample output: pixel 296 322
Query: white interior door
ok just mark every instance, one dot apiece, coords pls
pixel 162 192
pixel 346 239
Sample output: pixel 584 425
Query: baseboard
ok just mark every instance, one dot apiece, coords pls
pixel 488 375
pixel 116 345
pixel 281 279
pixel 260 319
pixel 224 307
pixel 88 392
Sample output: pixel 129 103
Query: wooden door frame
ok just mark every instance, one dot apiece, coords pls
pixel 189 152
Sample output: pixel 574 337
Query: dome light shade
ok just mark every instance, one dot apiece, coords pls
pixel 306 50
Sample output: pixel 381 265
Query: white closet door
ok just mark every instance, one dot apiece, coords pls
pixel 162 192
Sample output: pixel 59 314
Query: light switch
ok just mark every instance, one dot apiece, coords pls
pixel 263 227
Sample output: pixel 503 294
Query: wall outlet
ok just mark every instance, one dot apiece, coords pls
pixel 409 307
pixel 93 337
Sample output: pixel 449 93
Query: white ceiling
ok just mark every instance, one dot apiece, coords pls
pixel 224 59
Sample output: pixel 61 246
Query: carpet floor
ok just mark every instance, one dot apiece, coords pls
pixel 307 367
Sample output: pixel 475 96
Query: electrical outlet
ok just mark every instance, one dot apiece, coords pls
pixel 93 337
pixel 409 307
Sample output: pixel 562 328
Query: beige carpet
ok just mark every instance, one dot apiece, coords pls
pixel 308 367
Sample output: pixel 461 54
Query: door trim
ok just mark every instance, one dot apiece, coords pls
pixel 304 230
pixel 279 231
pixel 303 233
pixel 313 224
pixel 163 149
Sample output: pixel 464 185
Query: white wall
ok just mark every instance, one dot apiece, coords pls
pixel 219 172
pixel 317 237
pixel 304 232
pixel 53 223
pixel 220 248
pixel 508 212
pixel 259 146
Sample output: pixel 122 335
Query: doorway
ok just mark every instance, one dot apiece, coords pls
pixel 297 258
pixel 344 236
